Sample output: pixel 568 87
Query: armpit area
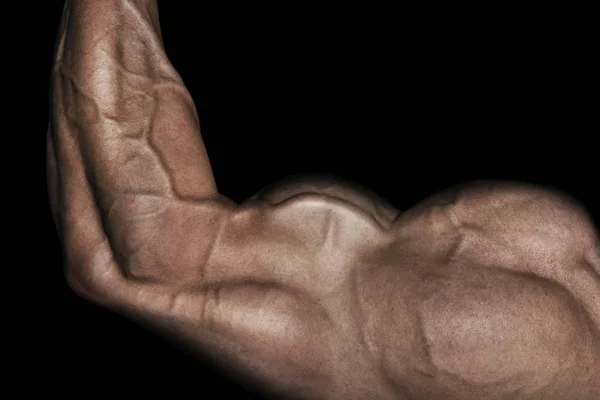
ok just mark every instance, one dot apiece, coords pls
pixel 498 333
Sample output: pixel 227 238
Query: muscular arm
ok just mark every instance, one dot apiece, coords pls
pixel 313 290
pixel 146 233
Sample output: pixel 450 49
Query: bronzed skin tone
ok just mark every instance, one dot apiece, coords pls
pixel 314 288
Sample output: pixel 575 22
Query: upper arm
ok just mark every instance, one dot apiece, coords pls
pixel 266 288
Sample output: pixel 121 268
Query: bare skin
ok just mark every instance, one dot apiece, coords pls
pixel 314 288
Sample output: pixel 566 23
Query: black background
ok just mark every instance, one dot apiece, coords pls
pixel 403 101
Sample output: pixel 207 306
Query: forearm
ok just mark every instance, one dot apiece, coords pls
pixel 125 150
pixel 116 93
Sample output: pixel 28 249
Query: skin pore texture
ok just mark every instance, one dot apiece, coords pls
pixel 314 288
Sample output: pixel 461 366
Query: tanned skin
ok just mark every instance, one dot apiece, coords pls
pixel 315 288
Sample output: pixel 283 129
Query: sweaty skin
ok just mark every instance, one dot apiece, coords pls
pixel 314 288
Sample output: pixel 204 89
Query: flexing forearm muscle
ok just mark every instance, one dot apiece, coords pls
pixel 124 106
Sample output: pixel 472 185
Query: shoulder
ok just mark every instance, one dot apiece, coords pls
pixel 488 267
pixel 519 227
pixel 503 332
